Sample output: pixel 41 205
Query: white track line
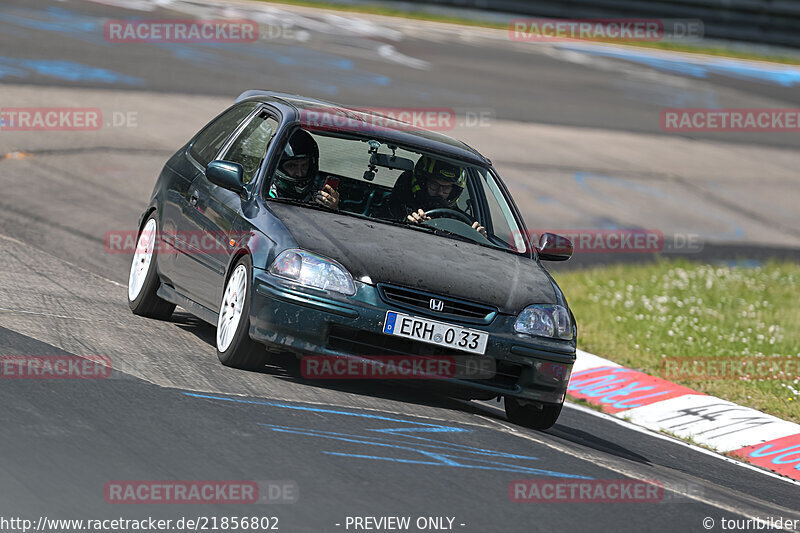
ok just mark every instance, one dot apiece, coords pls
pixel 737 510
pixel 640 429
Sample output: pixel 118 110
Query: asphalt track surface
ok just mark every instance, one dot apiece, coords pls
pixel 169 411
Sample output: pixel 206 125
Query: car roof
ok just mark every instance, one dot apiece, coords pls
pixel 389 130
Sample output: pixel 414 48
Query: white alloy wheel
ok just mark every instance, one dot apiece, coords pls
pixel 142 259
pixel 230 313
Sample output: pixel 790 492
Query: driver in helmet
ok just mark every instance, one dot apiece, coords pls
pixel 434 184
pixel 297 169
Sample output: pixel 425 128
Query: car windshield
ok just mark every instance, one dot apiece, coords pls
pixel 387 183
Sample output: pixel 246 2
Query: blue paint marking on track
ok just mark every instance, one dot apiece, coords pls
pixel 421 442
pixel 788 455
pixel 64 70
pixel 55 19
pixel 431 427
pixel 326 72
pixel 458 456
pixel 785 76
pixel 436 453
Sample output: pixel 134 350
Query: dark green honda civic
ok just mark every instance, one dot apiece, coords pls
pixel 338 235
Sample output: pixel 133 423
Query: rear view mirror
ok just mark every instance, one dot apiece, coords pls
pixel 226 174
pixel 391 161
pixel 554 247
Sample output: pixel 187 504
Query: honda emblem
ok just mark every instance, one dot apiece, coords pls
pixel 436 305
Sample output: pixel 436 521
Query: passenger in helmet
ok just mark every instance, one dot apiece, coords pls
pixel 297 169
pixel 434 184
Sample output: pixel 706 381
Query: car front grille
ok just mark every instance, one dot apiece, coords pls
pixel 420 302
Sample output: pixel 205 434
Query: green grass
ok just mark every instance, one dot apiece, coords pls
pixel 639 315
pixel 434 17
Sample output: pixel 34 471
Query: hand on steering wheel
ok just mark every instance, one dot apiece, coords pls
pixel 421 216
pixel 449 213
pixel 417 217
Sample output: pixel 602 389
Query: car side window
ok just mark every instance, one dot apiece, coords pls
pixel 504 226
pixel 250 146
pixel 464 202
pixel 210 141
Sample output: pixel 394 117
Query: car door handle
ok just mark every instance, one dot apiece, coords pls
pixel 194 198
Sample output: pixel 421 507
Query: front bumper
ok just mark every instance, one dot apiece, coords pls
pixel 289 317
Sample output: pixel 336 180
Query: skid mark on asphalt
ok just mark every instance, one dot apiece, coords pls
pixel 49 315
pixel 336 71
pixel 584 179
pixel 668 96
pixel 437 453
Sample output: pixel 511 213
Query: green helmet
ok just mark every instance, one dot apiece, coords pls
pixel 301 145
pixel 429 167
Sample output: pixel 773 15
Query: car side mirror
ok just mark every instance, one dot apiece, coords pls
pixel 226 174
pixel 554 247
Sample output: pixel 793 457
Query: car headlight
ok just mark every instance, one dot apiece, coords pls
pixel 545 320
pixel 312 270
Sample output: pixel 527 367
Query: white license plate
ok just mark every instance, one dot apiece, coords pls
pixel 433 332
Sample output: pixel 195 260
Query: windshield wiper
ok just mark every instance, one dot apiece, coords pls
pixel 299 202
pixel 450 234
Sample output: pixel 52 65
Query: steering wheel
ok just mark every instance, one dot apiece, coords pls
pixel 449 213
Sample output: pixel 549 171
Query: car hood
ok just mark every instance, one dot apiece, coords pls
pixel 393 254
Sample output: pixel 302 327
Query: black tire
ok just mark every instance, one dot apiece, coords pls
pixel 147 303
pixel 243 352
pixel 532 416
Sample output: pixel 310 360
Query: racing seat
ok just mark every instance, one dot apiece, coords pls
pixel 400 193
